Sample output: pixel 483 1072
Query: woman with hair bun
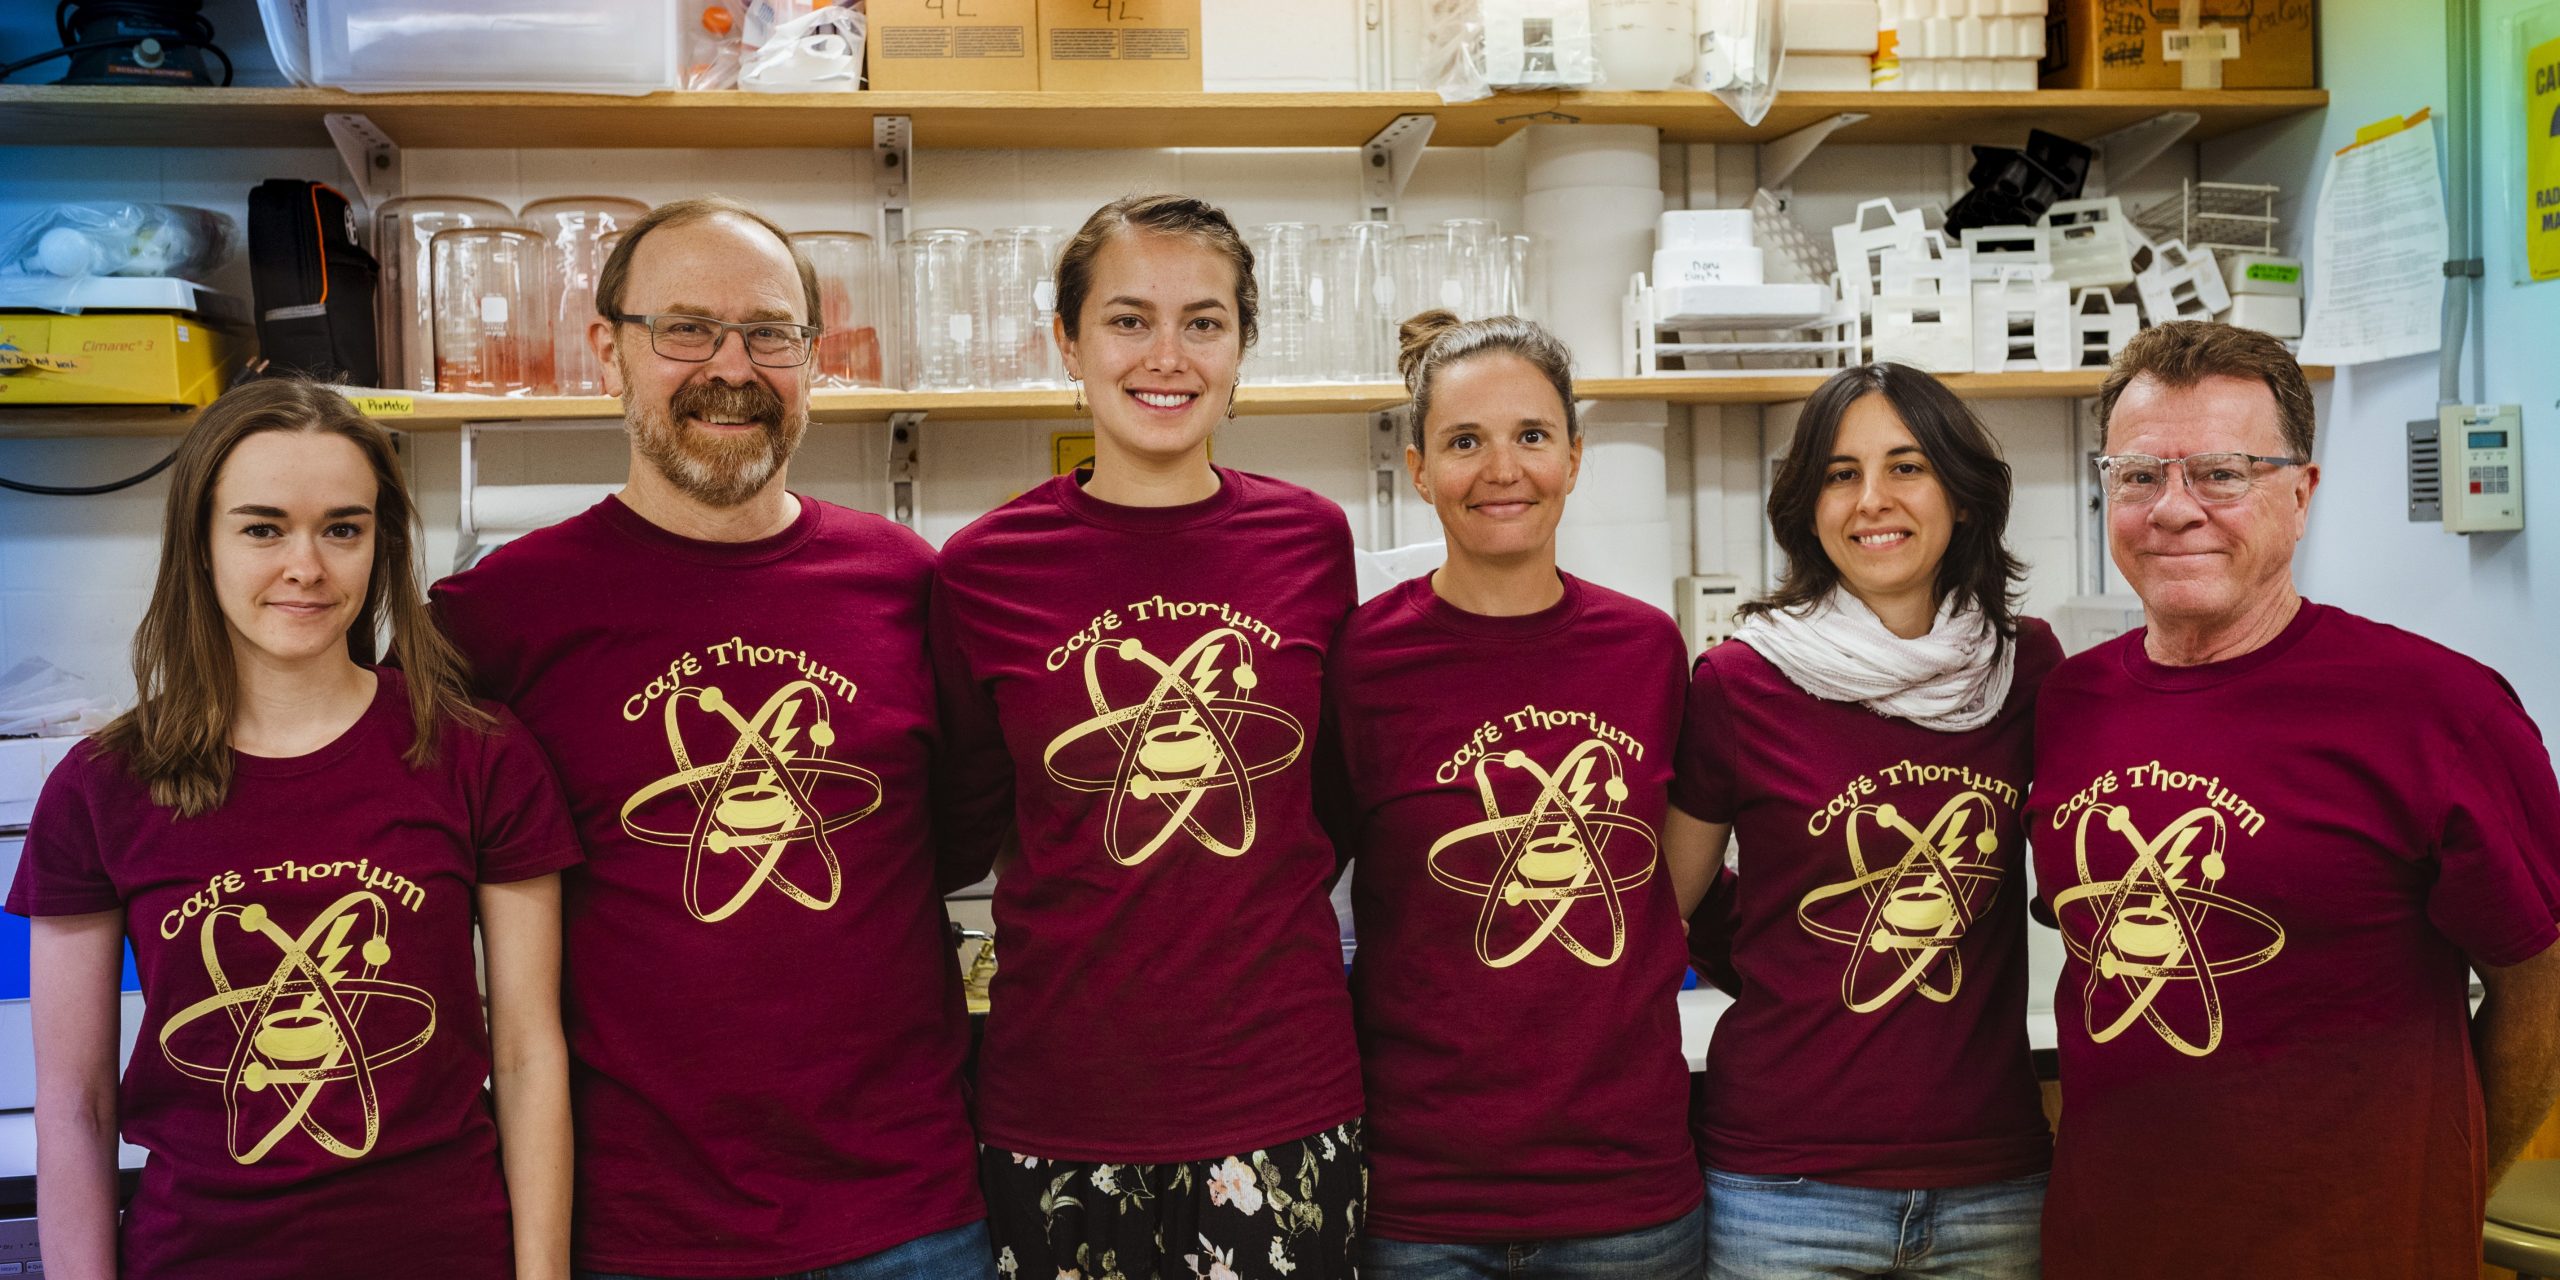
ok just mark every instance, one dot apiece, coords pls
pixel 1868 1106
pixel 1507 732
pixel 1169 1085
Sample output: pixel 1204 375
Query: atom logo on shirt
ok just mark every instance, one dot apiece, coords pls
pixel 1908 916
pixel 1530 865
pixel 323 1018
pixel 2158 936
pixel 1171 747
pixel 767 793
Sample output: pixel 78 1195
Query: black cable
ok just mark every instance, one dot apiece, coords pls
pixel 89 490
pixel 190 30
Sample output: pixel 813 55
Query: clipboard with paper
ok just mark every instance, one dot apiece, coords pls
pixel 2378 247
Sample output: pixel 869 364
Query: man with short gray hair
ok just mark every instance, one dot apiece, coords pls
pixel 2277 838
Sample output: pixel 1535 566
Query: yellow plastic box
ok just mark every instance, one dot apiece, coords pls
pixel 121 357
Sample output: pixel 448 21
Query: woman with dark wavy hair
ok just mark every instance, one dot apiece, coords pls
pixel 1868 1107
pixel 298 844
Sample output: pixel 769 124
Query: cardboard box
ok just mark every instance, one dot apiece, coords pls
pixel 953 44
pixel 2137 44
pixel 115 358
pixel 1120 46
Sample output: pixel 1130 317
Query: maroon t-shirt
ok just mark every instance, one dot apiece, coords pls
pixel 762 1006
pixel 1170 985
pixel 1520 948
pixel 309 1074
pixel 2270 875
pixel 1879 1038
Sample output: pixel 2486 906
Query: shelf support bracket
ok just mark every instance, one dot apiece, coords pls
pixel 371 157
pixel 1386 474
pixel 1387 162
pixel 1780 159
pixel 2131 149
pixel 906 431
pixel 892 169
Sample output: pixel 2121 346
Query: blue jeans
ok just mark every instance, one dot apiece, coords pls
pixel 1761 1227
pixel 1667 1252
pixel 962 1253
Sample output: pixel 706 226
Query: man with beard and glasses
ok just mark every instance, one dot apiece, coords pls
pixel 764 1019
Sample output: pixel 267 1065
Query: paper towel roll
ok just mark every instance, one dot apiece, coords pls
pixel 1596 239
pixel 1634 559
pixel 519 507
pixel 1592 155
pixel 1702 228
pixel 1624 477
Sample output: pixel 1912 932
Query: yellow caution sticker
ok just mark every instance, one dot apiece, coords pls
pixel 1070 452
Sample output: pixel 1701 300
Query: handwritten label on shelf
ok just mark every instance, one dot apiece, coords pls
pixel 385 406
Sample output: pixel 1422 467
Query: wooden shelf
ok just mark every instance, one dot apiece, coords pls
pixel 445 413
pixel 51 115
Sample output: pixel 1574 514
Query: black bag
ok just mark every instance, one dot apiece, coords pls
pixel 313 284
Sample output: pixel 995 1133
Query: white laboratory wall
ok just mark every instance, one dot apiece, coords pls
pixel 2474 593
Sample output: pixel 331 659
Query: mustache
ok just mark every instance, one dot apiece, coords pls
pixel 753 402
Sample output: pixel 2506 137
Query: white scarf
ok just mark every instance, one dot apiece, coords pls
pixel 1953 679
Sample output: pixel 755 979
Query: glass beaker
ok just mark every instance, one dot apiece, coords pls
pixel 574 229
pixel 404 309
pixel 941 349
pixel 848 265
pixel 1018 278
pixel 492 329
pixel 1287 269
pixel 1474 257
pixel 1361 272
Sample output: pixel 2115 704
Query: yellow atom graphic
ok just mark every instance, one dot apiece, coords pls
pixel 1911 914
pixel 281 1045
pixel 1165 736
pixel 771 795
pixel 2152 939
pixel 1550 857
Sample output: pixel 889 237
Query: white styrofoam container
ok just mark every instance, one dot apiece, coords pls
pixel 1826 73
pixel 1702 228
pixel 1720 264
pixel 1253 46
pixel 2266 313
pixel 1746 306
pixel 1831 26
pixel 554 46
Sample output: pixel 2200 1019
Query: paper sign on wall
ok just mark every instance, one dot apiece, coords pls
pixel 2542 159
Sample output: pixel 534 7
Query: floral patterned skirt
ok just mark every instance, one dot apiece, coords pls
pixel 1289 1212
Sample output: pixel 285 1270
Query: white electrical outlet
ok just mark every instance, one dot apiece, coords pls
pixel 1704 607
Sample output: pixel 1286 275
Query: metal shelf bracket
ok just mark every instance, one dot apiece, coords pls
pixel 1779 159
pixel 906 432
pixel 892 166
pixel 1386 476
pixel 2131 149
pixel 371 157
pixel 1387 162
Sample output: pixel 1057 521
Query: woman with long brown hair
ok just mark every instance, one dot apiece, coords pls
pixel 298 843
pixel 1869 1109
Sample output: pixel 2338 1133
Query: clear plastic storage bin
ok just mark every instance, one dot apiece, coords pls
pixel 556 46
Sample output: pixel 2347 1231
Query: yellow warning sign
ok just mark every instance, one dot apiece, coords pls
pixel 1070 452
pixel 2542 160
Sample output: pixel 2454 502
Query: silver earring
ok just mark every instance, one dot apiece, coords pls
pixel 1231 396
pixel 1078 384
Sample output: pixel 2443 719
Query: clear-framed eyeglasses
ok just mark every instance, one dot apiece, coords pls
pixel 2131 479
pixel 775 344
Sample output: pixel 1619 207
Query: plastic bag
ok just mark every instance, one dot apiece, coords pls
pixel 800 46
pixel 1741 45
pixel 37 697
pixel 1474 47
pixel 711 29
pixel 76 240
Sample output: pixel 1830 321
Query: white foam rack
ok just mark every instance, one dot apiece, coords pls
pixel 1748 329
